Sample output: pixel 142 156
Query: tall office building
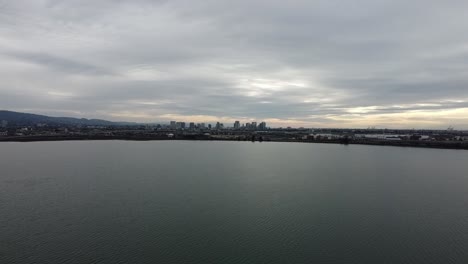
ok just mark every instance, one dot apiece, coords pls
pixel 192 126
pixel 254 126
pixel 173 124
pixel 262 126
pixel 236 125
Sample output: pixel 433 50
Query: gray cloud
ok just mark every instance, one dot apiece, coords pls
pixel 59 64
pixel 306 63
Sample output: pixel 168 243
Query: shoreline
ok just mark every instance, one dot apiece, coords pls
pixel 403 143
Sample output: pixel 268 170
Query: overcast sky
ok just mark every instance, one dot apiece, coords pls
pixel 326 63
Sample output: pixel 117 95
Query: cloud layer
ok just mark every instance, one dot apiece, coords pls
pixel 326 63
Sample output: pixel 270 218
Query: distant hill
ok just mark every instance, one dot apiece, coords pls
pixel 25 119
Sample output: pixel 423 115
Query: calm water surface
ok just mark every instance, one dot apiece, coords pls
pixel 231 202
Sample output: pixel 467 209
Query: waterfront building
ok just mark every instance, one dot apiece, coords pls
pixel 254 126
pixel 219 125
pixel 236 125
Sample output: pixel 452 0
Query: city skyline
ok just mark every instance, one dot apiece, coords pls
pixel 218 125
pixel 24 127
pixel 386 64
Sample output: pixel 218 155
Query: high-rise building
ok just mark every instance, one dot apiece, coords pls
pixel 236 125
pixel 202 126
pixel 173 124
pixel 182 125
pixel 192 126
pixel 254 125
pixel 262 126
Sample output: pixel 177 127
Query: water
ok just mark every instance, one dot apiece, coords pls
pixel 231 202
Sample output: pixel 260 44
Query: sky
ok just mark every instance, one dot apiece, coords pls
pixel 314 63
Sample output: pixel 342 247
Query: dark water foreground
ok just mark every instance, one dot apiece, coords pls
pixel 231 202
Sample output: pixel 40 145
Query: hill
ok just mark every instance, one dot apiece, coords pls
pixel 26 119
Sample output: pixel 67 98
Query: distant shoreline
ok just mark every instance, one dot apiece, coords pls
pixel 401 143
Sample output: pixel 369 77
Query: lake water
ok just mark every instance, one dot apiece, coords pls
pixel 231 202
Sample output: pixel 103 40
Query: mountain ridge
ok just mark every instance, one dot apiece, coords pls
pixel 28 119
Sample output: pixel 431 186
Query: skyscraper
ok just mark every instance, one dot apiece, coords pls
pixel 262 126
pixel 254 126
pixel 236 125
